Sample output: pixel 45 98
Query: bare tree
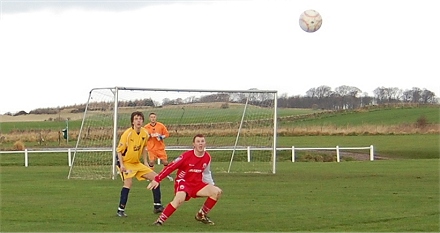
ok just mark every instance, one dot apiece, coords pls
pixel 311 93
pixel 416 95
pixel 347 96
pixel 428 97
pixel 380 94
pixel 323 92
pixel 166 101
pixel 407 96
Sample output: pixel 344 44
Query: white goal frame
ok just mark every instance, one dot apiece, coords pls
pixel 117 89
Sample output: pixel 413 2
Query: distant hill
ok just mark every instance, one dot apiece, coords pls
pixel 64 114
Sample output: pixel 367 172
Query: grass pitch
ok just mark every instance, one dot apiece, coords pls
pixel 386 196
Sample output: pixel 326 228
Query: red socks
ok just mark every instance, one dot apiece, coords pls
pixel 169 209
pixel 208 205
pixel 167 212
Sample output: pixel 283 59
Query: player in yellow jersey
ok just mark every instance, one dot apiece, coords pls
pixel 132 146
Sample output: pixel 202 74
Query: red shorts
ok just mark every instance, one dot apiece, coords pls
pixel 191 190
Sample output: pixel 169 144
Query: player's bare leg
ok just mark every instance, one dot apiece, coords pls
pixel 213 193
pixel 178 200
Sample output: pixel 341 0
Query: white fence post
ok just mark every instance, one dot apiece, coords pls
pixel 371 153
pixel 293 154
pixel 338 158
pixel 69 157
pixel 26 158
pixel 248 153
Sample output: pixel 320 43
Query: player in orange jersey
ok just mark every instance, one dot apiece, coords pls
pixel 156 148
pixel 156 145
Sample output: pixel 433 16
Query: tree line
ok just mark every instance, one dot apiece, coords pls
pixel 321 97
pixel 349 97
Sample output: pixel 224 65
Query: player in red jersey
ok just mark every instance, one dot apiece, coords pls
pixel 193 180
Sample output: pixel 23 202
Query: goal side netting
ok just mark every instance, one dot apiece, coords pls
pixel 239 125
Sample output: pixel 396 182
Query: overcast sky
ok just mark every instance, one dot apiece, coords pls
pixel 52 53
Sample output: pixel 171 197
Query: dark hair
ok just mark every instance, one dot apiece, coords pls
pixel 137 113
pixel 152 113
pixel 198 136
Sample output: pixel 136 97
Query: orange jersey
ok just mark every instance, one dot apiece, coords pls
pixel 153 143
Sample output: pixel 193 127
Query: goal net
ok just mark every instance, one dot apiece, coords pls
pixel 239 125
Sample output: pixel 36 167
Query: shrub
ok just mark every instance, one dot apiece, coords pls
pixel 20 113
pixel 422 122
pixel 18 145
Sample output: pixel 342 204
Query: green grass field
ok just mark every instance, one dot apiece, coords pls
pixel 378 196
pixel 414 146
pixel 400 193
pixel 167 115
pixel 382 116
pixel 379 116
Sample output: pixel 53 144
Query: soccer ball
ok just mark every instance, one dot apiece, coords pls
pixel 310 21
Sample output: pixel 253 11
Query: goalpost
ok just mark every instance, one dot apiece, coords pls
pixel 240 127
